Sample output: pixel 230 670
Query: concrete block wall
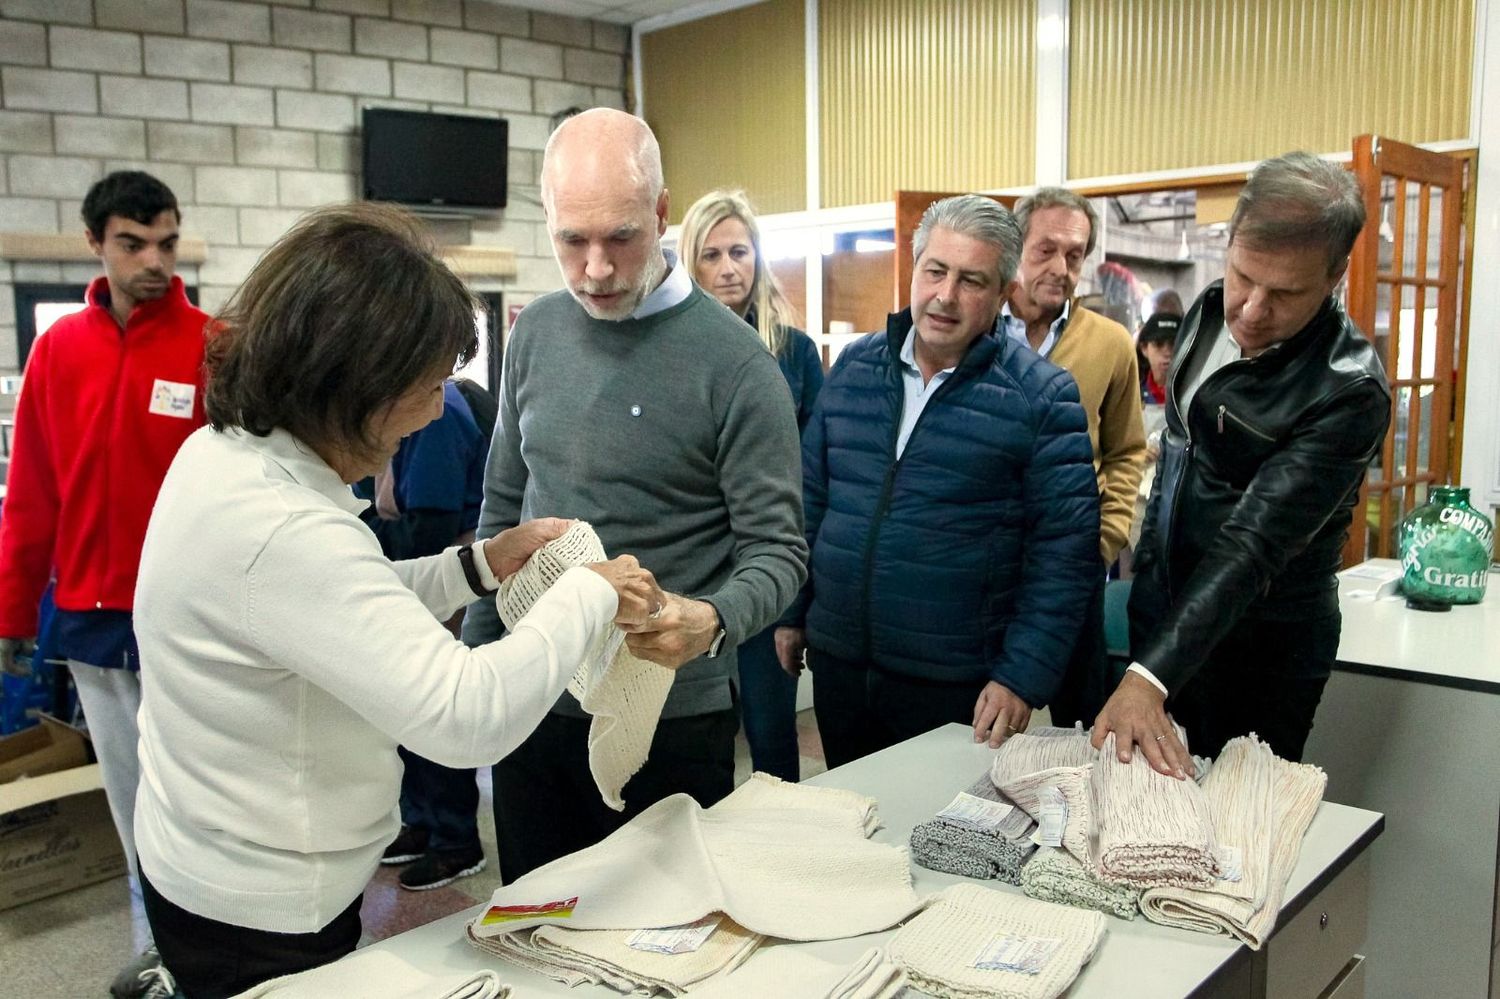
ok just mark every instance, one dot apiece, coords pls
pixel 249 110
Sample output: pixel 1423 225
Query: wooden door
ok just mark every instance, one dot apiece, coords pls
pixel 1403 293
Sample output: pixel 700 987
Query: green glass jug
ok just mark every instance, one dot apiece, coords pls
pixel 1445 547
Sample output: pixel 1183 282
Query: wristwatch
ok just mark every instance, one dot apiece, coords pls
pixel 717 644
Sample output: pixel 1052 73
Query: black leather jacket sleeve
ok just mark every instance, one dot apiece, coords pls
pixel 1291 498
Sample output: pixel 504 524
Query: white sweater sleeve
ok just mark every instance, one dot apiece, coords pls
pixel 322 602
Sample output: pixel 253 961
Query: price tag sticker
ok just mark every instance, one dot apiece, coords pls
pixel 1051 818
pixel 675 939
pixel 974 812
pixel 1231 862
pixel 1024 955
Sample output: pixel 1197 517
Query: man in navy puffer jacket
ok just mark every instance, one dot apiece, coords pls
pixel 951 509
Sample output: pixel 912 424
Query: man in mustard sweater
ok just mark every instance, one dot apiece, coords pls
pixel 1058 228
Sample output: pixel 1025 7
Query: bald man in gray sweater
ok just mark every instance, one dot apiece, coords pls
pixel 638 403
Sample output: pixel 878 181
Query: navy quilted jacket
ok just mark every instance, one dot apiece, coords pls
pixel 973 556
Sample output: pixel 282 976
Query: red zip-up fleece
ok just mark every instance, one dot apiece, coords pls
pixel 101 414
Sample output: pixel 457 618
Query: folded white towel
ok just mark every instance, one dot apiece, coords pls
pixel 782 971
pixel 375 974
pixel 762 793
pixel 623 694
pixel 605 957
pixel 940 947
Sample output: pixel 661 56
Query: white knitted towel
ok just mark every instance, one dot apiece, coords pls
pixel 941 945
pixel 798 873
pixel 779 970
pixel 375 974
pixel 605 957
pixel 1027 766
pixel 622 693
pixel 1152 830
pixel 1295 791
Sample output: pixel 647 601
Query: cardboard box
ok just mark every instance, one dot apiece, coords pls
pixel 47 748
pixel 56 832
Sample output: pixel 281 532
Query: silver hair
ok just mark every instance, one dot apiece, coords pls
pixel 1300 200
pixel 1057 197
pixel 978 218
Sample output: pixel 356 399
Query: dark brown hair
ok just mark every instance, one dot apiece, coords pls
pixel 129 194
pixel 346 313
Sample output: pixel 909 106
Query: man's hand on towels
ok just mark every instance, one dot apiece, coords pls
pixel 999 714
pixel 680 630
pixel 1136 713
pixel 635 587
pixel 791 650
pixel 508 551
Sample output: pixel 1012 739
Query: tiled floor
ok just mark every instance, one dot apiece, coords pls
pixel 71 945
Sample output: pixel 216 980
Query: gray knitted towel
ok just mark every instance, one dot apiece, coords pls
pixel 941 845
pixel 1055 875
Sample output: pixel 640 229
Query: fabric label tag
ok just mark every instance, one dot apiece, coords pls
pixel 561 909
pixel 973 812
pixel 675 939
pixel 1230 862
pixel 1052 816
pixel 172 398
pixel 1025 955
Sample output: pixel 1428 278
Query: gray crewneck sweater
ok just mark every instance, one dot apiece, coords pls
pixel 674 436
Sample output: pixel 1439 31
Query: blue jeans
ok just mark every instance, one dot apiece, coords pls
pixel 768 705
pixel 441 800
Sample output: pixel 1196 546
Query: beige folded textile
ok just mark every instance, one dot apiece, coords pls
pixel 605 957
pixel 780 970
pixel 1029 765
pixel 622 693
pixel 375 974
pixel 1291 802
pixel 940 946
pixel 802 870
pixel 763 792
pixel 1152 830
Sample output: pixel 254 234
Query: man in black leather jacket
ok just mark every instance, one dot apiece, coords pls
pixel 1276 406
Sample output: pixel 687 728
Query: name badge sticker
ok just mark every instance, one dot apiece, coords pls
pixel 173 398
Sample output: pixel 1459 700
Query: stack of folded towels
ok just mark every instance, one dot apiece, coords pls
pixel 1212 855
pixel 1261 807
pixel 682 894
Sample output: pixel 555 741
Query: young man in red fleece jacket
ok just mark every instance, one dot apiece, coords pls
pixel 110 394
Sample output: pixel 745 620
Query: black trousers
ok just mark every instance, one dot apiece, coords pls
pixel 442 800
pixel 1265 676
pixel 546 802
pixel 1086 683
pixel 214 960
pixel 862 710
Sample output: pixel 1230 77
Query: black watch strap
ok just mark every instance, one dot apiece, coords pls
pixel 471 571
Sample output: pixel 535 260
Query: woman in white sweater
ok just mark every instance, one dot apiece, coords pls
pixel 283 656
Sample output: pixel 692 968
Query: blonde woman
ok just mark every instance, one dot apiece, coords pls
pixel 720 244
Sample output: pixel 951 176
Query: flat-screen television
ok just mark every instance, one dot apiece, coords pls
pixel 440 160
